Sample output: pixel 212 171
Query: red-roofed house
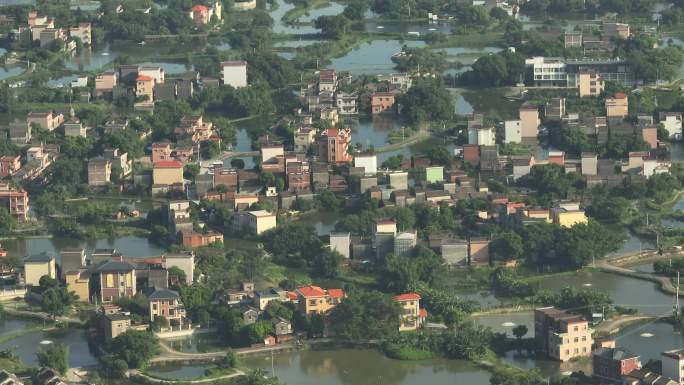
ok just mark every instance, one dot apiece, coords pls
pixel 315 300
pixel 167 173
pixel 411 316
pixel 200 14
pixel 333 144
pixel 144 87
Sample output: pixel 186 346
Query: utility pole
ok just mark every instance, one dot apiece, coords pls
pixel 675 308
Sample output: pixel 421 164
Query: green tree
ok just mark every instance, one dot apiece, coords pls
pixel 7 222
pixel 366 315
pixel 326 264
pixel 135 347
pixel 508 246
pixel 57 301
pixel 427 100
pixel 519 331
pixel 55 356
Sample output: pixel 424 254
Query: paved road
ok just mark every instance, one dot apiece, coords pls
pixel 168 354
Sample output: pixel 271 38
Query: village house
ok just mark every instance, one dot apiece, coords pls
pixel 117 280
pixel 190 238
pixel 45 120
pixel 105 83
pixel 611 364
pixel 19 132
pixel 333 145
pixel 199 14
pixel 115 324
pixel 16 201
pixel 617 106
pixel 78 281
pixel 412 316
pixel 314 300
pixel 166 303
pixel 37 266
pixel 382 102
pixel 590 84
pixel 9 165
pixel 83 32
pixel 167 173
pixel 144 88
pixel 99 172
pixel 234 73
pixel 561 335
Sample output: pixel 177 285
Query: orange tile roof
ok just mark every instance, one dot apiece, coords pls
pixel 619 95
pixel 407 297
pixel 311 291
pixel 292 296
pixel 422 313
pixel 336 293
pixel 199 8
pixel 143 78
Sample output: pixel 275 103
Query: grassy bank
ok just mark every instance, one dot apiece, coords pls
pixel 292 15
pixel 10 336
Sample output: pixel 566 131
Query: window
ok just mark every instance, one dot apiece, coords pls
pixel 576 339
pixel 576 350
pixel 576 328
pixel 584 338
pixel 584 349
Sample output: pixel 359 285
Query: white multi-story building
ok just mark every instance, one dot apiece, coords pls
pixel 234 73
pixel 346 103
pixel 368 161
pixel 481 136
pixel 512 131
pixel 548 71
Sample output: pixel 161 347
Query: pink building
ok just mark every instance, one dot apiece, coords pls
pixel 333 144
pixel 382 102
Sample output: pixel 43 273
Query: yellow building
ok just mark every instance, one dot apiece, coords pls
pixel 314 300
pixel 78 281
pixel 569 218
pixel 167 173
pixel 144 86
pixel 38 265
pixel 261 221
pixel 412 315
pixel 617 106
pixel 590 84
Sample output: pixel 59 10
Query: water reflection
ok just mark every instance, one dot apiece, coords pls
pixel 25 347
pixel 625 291
pixel 662 337
pixel 129 246
pixel 179 372
pixel 365 367
pixel 373 57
